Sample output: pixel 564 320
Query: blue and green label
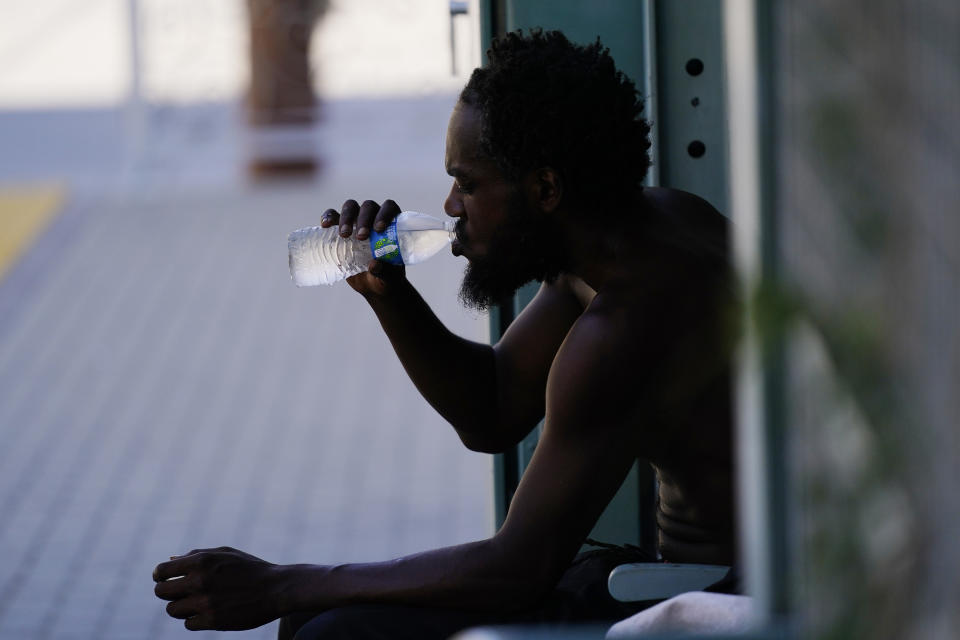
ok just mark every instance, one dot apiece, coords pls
pixel 385 246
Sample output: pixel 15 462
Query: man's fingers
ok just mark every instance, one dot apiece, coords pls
pixel 387 212
pixel 176 568
pixel 329 218
pixel 348 215
pixel 384 270
pixel 199 622
pixel 175 588
pixel 187 607
pixel 365 218
pixel 376 278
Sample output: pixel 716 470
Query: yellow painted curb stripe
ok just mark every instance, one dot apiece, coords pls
pixel 25 211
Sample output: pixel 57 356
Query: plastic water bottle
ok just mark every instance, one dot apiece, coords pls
pixel 321 256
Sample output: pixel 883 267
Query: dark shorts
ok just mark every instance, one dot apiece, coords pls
pixel 580 596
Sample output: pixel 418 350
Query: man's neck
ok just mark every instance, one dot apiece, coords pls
pixel 607 254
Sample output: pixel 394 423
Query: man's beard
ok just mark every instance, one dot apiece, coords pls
pixel 525 247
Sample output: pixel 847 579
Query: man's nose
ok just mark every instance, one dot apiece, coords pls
pixel 453 205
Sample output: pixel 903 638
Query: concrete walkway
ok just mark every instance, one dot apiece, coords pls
pixel 164 386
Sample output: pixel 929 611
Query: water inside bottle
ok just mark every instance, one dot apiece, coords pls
pixel 417 246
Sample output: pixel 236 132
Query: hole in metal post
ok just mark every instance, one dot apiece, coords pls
pixel 694 66
pixel 696 149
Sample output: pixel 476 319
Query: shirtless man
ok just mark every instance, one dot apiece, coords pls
pixel 624 352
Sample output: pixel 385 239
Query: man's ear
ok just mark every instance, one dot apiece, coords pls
pixel 544 189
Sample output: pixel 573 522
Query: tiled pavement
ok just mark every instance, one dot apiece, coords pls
pixel 163 385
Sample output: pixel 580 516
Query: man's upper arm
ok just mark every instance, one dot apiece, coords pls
pixel 586 450
pixel 525 353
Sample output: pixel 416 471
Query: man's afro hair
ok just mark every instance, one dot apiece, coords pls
pixel 546 102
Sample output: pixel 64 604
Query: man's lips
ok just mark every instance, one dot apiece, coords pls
pixel 460 240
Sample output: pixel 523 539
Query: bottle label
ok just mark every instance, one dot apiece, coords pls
pixel 385 246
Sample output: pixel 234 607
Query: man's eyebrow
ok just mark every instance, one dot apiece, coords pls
pixel 456 172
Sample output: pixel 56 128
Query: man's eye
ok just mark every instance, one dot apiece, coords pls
pixel 464 189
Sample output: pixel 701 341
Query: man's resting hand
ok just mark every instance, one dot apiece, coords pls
pixel 221 588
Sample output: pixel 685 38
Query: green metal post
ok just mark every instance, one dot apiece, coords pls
pixel 760 394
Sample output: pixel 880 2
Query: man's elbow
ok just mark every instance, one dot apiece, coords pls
pixel 530 577
pixel 521 592
pixel 481 443
pixel 489 439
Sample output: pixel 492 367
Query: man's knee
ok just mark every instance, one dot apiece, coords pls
pixel 335 624
pixel 367 622
pixel 383 622
pixel 289 625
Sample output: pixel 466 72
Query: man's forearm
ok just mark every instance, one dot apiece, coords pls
pixel 472 576
pixel 456 376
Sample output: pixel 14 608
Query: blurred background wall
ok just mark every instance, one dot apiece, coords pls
pixel 869 157
pixel 61 52
pixel 163 385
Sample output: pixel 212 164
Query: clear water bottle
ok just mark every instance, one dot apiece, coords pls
pixel 321 256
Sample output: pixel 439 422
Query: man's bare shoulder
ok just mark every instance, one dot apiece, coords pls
pixel 594 371
pixel 695 223
pixel 569 285
pixel 615 325
pixel 681 203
